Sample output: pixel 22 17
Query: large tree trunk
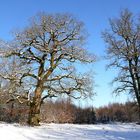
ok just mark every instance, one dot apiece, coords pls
pixel 35 105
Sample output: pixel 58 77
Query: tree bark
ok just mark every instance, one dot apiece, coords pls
pixel 35 105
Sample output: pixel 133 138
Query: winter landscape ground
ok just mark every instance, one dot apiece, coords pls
pixel 70 132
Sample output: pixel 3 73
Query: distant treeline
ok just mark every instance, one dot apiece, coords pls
pixel 64 111
pixel 60 111
pixel 127 112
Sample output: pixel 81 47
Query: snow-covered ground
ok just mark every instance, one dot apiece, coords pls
pixel 70 132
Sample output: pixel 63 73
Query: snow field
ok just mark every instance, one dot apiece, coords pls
pixel 70 132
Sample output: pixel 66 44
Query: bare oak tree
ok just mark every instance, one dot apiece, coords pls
pixel 124 52
pixel 51 47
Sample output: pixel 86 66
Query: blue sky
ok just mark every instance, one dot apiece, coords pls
pixel 15 14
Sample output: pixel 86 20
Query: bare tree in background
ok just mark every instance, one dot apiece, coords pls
pixel 124 52
pixel 51 47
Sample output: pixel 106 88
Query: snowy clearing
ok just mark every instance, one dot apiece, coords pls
pixel 70 132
